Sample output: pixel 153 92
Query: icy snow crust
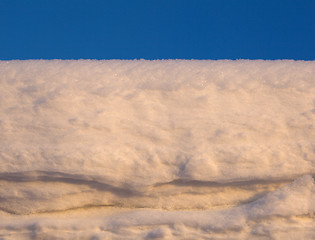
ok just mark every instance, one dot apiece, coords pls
pixel 157 149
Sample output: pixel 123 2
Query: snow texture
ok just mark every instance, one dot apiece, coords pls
pixel 168 149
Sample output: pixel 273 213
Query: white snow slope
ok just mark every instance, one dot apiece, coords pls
pixel 168 149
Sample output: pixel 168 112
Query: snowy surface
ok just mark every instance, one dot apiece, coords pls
pixel 157 149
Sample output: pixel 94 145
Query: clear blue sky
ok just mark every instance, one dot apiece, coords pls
pixel 157 29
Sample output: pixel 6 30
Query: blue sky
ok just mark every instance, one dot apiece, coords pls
pixel 157 29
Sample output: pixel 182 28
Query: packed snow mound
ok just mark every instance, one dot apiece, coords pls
pixel 140 123
pixel 214 146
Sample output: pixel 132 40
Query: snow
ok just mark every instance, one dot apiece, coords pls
pixel 167 149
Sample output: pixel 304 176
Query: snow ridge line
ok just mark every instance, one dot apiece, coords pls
pixel 40 192
pixel 47 176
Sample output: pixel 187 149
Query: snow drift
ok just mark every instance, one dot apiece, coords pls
pixel 215 147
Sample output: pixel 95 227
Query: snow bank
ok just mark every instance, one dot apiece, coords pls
pixel 196 143
pixel 282 214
